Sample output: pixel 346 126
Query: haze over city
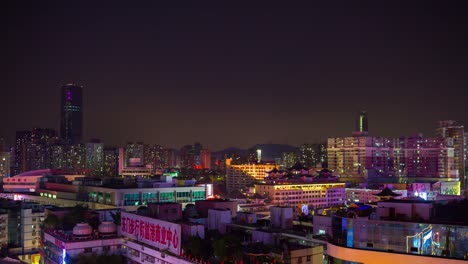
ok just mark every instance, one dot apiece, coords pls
pixel 235 75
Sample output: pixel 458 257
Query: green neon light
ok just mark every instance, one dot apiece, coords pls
pixel 360 123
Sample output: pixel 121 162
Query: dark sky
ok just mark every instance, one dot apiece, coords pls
pixel 235 75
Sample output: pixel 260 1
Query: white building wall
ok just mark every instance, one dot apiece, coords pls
pixel 31 229
pixel 139 253
pixel 218 219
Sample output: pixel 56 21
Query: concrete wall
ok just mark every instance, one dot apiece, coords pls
pixel 218 219
pixel 314 254
pixel 322 223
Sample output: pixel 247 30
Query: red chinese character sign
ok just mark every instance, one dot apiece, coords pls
pixel 154 232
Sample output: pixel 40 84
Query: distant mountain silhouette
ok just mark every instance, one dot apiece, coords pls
pixel 269 151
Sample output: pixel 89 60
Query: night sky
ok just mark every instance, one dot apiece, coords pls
pixel 235 75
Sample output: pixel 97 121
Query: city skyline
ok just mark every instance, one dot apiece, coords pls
pixel 229 76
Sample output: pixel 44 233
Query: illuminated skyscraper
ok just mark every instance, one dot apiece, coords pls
pixel 450 129
pixel 71 124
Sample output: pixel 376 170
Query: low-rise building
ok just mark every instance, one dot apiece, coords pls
pixel 402 231
pixel 171 212
pixel 356 195
pixel 319 195
pixel 60 246
pixel 203 206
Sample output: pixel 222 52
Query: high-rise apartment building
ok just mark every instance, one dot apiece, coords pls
pixel 5 164
pixel 451 129
pixel 57 153
pixel 2 144
pixel 363 156
pixel 95 157
pixel 134 154
pixel 21 143
pixel 429 157
pixel 111 161
pixel 312 155
pixel 466 154
pixel 37 149
pixel 289 159
pixel 71 123
pixel 187 154
pixel 76 157
pixel 153 156
pixel 205 157
pixel 169 158
pixel 372 157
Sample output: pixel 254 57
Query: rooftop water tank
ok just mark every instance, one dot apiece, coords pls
pixel 107 228
pixel 82 229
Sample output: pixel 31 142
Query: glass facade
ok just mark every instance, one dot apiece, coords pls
pixel 448 241
pixel 149 198
pixel 131 199
pixel 183 197
pixel 143 198
pixel 198 195
pixel 166 197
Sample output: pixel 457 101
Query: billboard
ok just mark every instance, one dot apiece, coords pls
pixel 154 232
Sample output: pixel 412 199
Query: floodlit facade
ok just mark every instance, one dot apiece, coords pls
pixel 372 157
pixel 319 195
pixel 450 129
pixel 363 156
pixel 244 175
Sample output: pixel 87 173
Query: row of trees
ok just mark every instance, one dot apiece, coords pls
pixel 214 247
pixel 96 259
pixel 217 248
pixel 77 214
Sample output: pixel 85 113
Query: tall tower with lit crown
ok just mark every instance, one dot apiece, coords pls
pixel 71 123
pixel 362 123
